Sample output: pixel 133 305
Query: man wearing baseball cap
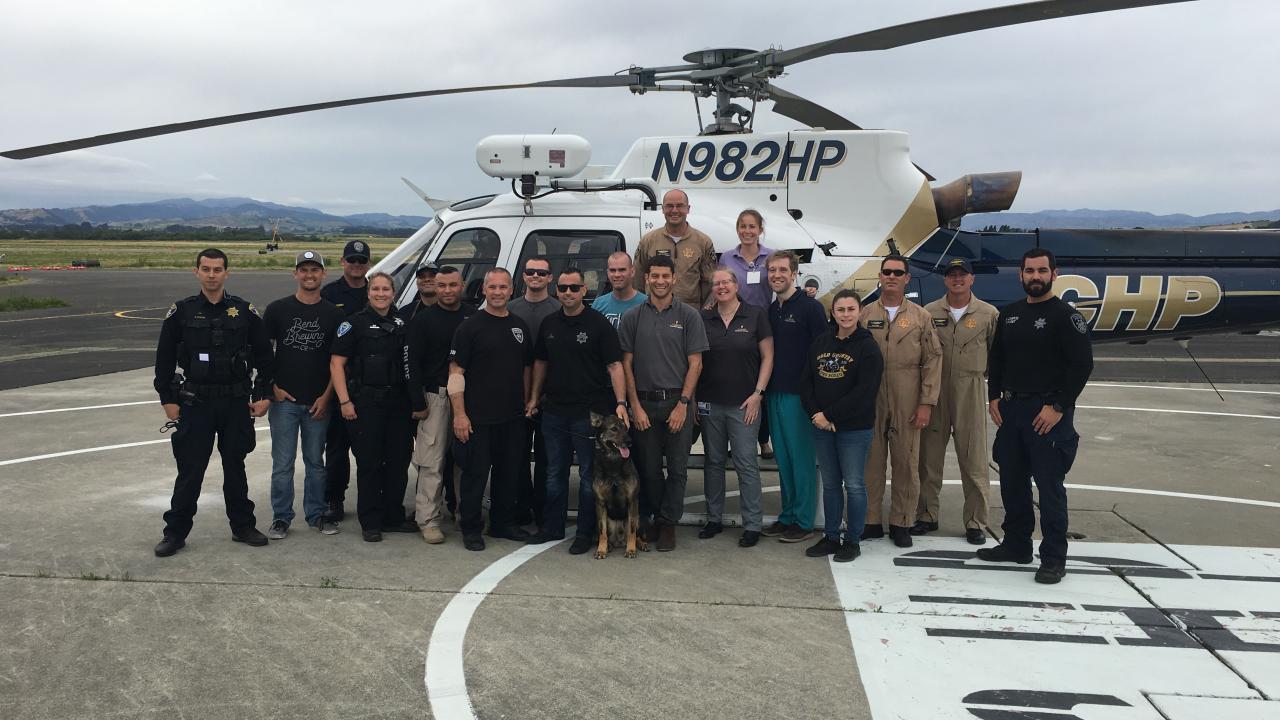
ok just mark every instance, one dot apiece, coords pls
pixel 302 327
pixel 426 276
pixel 965 326
pixel 350 294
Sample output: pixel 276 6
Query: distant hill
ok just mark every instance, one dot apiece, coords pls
pixel 1110 219
pixel 216 212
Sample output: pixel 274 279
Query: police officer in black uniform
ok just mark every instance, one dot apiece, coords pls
pixel 349 293
pixel 369 370
pixel 218 340
pixel 1039 363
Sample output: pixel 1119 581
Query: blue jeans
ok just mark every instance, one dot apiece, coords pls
pixel 288 421
pixel 564 435
pixel 842 456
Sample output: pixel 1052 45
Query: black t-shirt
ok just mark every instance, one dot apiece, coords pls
pixel 302 335
pixel 1040 348
pixel 577 350
pixel 731 368
pixel 495 352
pixel 350 300
pixel 430 339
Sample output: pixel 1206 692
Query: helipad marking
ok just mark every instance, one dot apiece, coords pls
pixel 1175 387
pixel 73 409
pixel 444 674
pixel 1178 412
pixel 101 448
pixel 73 315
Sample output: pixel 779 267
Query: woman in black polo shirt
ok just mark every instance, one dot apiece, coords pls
pixel 735 372
pixel 838 386
pixel 369 372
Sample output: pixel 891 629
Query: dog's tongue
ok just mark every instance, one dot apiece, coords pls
pixel 625 452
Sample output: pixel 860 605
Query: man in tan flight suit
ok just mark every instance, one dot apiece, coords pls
pixel 692 251
pixel 965 326
pixel 912 372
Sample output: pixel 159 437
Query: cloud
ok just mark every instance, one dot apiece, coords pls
pixel 205 177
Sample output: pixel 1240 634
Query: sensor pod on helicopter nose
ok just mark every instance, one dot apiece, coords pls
pixel 550 156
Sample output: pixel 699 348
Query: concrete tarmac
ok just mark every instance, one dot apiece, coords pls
pixel 1173 489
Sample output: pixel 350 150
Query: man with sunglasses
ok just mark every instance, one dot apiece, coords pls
pixel 350 293
pixel 577 371
pixel 533 307
pixel 692 252
pixel 912 376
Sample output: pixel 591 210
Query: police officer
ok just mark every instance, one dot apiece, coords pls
pixel 912 371
pixel 218 340
pixel 1040 361
pixel 349 293
pixel 965 327
pixel 369 374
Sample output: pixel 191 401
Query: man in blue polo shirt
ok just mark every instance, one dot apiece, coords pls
pixel 796 320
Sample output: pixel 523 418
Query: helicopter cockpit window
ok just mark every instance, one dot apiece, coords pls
pixel 473 251
pixel 588 249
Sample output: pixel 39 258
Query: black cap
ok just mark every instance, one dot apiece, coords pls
pixel 356 248
pixel 428 269
pixel 959 263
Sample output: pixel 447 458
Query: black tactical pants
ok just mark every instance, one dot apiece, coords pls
pixel 382 439
pixel 497 448
pixel 337 458
pixel 228 418
pixel 531 483
pixel 1023 454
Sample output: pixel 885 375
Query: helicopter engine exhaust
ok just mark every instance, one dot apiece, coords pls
pixel 975 193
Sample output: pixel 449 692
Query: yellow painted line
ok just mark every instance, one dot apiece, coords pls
pixel 124 314
pixel 89 314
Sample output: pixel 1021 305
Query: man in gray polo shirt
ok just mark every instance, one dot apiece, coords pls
pixel 662 345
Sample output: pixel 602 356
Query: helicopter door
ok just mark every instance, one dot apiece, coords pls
pixel 475 248
pixel 588 249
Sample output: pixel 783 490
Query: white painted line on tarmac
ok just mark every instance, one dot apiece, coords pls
pixel 1175 387
pixel 74 409
pixel 1179 412
pixel 1113 358
pixel 100 448
pixel 444 675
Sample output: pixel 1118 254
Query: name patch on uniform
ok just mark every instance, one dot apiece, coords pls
pixel 344 328
pixel 939 322
pixel 875 324
pixel 1011 319
pixel 663 253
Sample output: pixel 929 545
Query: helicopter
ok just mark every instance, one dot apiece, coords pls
pixel 839 195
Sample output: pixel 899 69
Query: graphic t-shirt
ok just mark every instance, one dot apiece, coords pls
pixel 613 309
pixel 302 335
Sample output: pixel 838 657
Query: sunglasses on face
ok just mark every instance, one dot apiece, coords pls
pixel 539 273
pixel 569 287
pixel 893 273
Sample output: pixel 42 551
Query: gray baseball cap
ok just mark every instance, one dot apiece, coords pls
pixel 308 256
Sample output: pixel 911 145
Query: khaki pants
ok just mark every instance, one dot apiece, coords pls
pixel 429 448
pixel 961 413
pixel 893 440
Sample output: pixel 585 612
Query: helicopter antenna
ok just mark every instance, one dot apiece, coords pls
pixel 1186 345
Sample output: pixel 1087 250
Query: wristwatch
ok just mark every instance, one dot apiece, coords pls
pixel 684 399
pixel 760 393
pixel 622 403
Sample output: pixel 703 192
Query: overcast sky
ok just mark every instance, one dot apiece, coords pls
pixel 1165 109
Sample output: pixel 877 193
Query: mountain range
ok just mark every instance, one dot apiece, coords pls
pixel 216 212
pixel 1110 219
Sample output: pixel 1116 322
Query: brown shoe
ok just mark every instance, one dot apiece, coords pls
pixel 432 535
pixel 650 532
pixel 795 534
pixel 666 538
pixel 774 530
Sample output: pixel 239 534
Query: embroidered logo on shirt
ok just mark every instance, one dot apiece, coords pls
pixel 233 311
pixel 833 365
pixel 688 253
pixel 344 328
pixel 675 324
pixel 742 329
pixel 582 338
pixel 1011 319
pixel 518 334
pixel 971 323
pixel 1078 322
pixel 398 321
pixel 904 323
pixel 1040 323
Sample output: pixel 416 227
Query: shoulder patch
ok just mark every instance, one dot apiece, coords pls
pixel 254 309
pixel 1077 321
pixel 344 328
pixel 940 322
pixel 172 309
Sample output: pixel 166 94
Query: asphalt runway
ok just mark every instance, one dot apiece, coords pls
pixel 113 317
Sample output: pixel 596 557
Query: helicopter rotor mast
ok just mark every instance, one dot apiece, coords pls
pixel 726 73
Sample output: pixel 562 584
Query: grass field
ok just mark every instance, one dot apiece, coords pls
pixel 22 302
pixel 177 253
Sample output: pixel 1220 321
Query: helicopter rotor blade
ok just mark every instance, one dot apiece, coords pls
pixel 958 24
pixel 812 114
pixel 597 81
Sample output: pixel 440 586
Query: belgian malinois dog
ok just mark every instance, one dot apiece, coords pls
pixel 616 487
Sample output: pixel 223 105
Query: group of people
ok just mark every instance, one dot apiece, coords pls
pixel 684 343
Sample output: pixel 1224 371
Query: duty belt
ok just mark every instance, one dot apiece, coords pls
pixel 1014 395
pixel 658 395
pixel 379 393
pixel 203 390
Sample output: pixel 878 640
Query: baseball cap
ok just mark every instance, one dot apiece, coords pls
pixel 428 269
pixel 355 248
pixel 958 263
pixel 308 256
